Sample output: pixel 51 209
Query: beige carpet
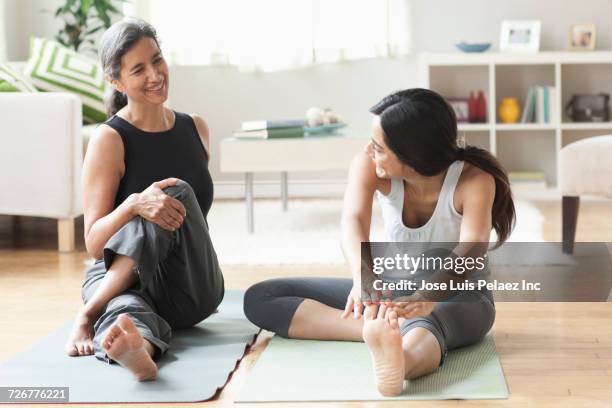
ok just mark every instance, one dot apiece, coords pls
pixel 308 233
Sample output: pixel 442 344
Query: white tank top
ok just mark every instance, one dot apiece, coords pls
pixel 445 222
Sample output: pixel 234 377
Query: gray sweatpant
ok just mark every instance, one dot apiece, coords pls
pixel 462 321
pixel 180 281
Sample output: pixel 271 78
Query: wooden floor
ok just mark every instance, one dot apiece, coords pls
pixel 552 354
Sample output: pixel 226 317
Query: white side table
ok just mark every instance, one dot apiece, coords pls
pixel 308 154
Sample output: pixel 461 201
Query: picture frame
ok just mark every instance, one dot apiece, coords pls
pixel 461 106
pixel 582 37
pixel 520 36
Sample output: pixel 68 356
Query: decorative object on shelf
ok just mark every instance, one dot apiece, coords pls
pixel 582 37
pixel 322 121
pixel 473 47
pixel 540 105
pixel 461 106
pixel 316 116
pixel 470 110
pixel 82 19
pixel 481 108
pixel 473 106
pixel 527 180
pixel 589 108
pixel 323 129
pixel 520 36
pixel 509 110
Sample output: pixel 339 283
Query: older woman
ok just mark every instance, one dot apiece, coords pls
pixel 146 193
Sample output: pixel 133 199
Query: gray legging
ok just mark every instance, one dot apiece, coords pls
pixel 180 281
pixel 458 322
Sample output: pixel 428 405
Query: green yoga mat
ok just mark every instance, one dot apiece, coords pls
pixel 197 364
pixel 307 370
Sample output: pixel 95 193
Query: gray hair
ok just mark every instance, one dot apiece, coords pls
pixel 115 42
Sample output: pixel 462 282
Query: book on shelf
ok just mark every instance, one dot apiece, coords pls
pixel 271 124
pixel 277 133
pixel 539 105
pixel 527 179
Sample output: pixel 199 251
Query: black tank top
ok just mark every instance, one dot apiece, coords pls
pixel 154 156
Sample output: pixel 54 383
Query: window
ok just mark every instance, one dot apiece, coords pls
pixel 274 35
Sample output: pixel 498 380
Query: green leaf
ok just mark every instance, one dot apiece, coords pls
pixel 112 8
pixel 85 6
pixel 94 30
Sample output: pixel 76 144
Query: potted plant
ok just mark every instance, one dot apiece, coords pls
pixel 82 19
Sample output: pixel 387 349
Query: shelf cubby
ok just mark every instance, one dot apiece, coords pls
pixel 520 151
pixel 522 146
pixel 514 81
pixel 584 79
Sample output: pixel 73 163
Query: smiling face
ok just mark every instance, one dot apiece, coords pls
pixel 387 163
pixel 144 73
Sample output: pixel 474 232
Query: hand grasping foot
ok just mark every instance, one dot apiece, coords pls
pixel 382 335
pixel 125 345
pixel 80 342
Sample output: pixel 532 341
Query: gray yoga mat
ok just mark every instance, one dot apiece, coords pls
pixel 198 363
pixel 307 370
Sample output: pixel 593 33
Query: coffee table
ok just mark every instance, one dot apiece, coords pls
pixel 308 154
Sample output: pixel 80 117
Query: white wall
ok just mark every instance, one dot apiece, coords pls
pixel 225 97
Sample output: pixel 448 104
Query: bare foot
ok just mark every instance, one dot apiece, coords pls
pixel 80 342
pixel 124 344
pixel 382 335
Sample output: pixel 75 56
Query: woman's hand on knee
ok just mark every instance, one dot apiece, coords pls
pixel 156 206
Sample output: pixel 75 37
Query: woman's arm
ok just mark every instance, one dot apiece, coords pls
pixel 102 171
pixel 477 195
pixel 357 211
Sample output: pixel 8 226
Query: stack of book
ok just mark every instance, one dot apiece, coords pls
pixel 527 180
pixel 271 129
pixel 540 105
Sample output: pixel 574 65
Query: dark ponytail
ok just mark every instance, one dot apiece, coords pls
pixel 115 42
pixel 114 101
pixel 421 129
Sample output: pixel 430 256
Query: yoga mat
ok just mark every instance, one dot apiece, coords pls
pixel 198 363
pixel 307 370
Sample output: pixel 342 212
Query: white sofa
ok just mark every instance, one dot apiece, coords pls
pixel 41 155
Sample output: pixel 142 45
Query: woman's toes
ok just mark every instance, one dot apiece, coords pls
pixel 72 351
pixel 381 311
pixel 89 349
pixel 370 312
pixel 393 320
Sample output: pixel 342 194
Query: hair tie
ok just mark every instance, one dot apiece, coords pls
pixel 460 154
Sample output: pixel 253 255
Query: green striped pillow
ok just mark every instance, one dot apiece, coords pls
pixel 55 68
pixel 11 81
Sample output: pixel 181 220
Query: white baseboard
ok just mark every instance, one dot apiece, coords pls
pixel 271 189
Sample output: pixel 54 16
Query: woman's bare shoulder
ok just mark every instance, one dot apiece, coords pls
pixel 475 180
pixel 105 136
pixel 105 148
pixel 364 169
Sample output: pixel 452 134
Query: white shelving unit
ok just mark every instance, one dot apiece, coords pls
pixel 522 146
